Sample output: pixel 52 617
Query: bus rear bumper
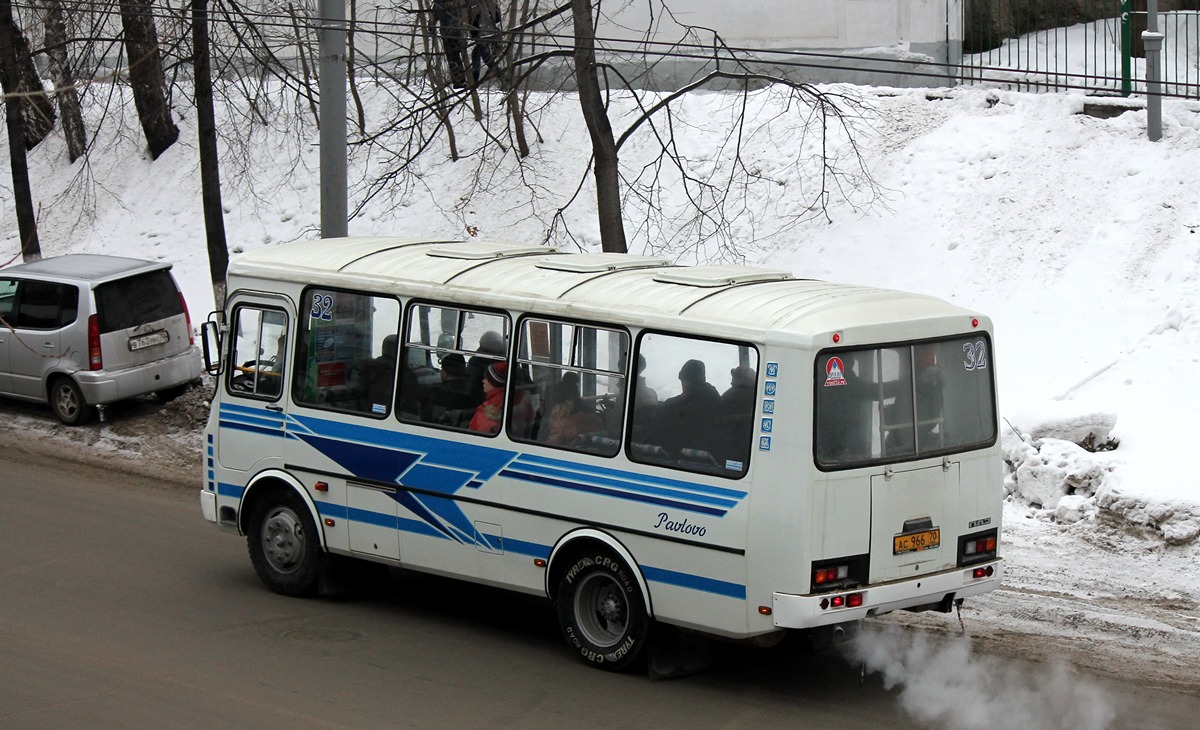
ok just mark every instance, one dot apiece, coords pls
pixel 791 611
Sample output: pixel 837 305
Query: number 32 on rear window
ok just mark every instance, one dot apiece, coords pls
pixel 975 355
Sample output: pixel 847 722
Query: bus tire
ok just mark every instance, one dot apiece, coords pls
pixel 284 545
pixel 602 612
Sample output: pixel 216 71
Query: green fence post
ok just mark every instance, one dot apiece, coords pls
pixel 1126 49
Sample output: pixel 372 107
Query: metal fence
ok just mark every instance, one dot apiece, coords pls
pixel 1086 45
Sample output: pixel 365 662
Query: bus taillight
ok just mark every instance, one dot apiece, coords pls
pixel 847 600
pixel 839 573
pixel 977 547
pixel 987 572
pixel 830 574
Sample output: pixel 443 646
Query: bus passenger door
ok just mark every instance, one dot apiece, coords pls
pixel 253 407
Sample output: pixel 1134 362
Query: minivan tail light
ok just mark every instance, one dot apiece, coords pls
pixel 95 358
pixel 187 318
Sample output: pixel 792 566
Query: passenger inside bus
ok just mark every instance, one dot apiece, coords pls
pixel 450 400
pixel 491 410
pixel 571 417
pixel 644 395
pixel 492 347
pixel 685 424
pixel 736 420
pixel 380 375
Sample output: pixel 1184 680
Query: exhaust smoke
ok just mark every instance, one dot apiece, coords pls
pixel 940 681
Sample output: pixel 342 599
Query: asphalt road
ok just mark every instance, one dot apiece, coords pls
pixel 121 607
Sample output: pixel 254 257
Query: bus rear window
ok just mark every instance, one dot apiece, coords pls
pixel 903 402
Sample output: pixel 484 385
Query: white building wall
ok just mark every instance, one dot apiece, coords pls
pixel 884 42
pixel 799 24
pixel 887 42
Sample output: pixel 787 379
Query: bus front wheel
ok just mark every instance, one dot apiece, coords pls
pixel 284 545
pixel 602 611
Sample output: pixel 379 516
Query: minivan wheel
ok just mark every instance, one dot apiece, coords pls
pixel 66 399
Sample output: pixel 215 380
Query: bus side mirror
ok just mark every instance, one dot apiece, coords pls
pixel 210 338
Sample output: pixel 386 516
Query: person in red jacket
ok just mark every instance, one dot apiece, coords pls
pixel 489 413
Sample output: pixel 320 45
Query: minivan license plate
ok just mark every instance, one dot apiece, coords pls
pixel 150 340
pixel 915 541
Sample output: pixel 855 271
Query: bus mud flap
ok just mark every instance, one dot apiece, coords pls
pixel 674 653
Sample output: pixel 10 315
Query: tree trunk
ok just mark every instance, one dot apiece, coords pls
pixel 63 77
pixel 26 221
pixel 604 147
pixel 35 109
pixel 146 75
pixel 210 174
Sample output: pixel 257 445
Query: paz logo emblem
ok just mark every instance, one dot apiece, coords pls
pixel 835 372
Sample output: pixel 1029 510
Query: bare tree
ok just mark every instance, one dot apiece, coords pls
pixel 210 171
pixel 146 76
pixel 554 53
pixel 36 111
pixel 604 147
pixel 26 221
pixel 63 76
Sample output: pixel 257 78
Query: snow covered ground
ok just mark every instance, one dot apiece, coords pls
pixel 1075 234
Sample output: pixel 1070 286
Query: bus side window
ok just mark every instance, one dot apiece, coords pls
pixel 445 357
pixel 257 354
pixel 680 418
pixel 570 389
pixel 346 354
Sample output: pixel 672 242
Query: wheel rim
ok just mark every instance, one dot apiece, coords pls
pixel 283 540
pixel 66 402
pixel 601 610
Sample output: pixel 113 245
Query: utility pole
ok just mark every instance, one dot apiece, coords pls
pixel 1153 41
pixel 331 43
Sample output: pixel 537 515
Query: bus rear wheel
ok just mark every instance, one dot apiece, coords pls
pixel 283 543
pixel 602 611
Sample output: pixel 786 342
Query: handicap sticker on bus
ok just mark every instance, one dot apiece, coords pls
pixel 835 372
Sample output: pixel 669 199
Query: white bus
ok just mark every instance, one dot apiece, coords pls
pixel 728 450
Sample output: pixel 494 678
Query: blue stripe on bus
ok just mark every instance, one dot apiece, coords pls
pixel 370 517
pixel 694 582
pixel 503 544
pixel 329 509
pixel 225 489
pixel 353 514
pixel 566 474
pixel 420 528
pixel 251 415
pixel 579 487
pixel 278 432
pixel 633 476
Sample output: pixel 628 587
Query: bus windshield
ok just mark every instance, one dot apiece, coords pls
pixel 903 401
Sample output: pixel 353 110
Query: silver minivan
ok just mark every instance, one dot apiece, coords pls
pixel 85 330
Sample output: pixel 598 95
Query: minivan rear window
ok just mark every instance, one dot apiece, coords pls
pixel 134 301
